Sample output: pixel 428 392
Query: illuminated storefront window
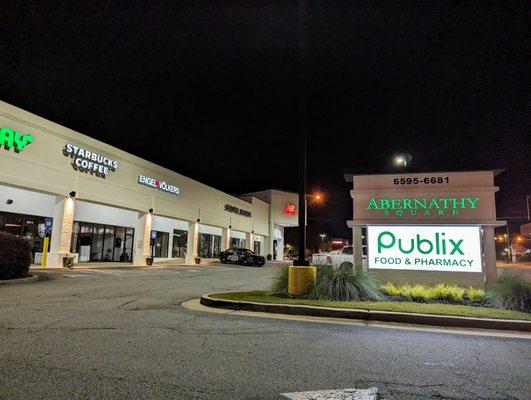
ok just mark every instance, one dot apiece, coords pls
pixel 102 243
pixel 209 245
pixel 179 244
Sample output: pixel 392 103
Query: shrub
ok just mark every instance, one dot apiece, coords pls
pixel 323 270
pixel 513 293
pixel 280 280
pixel 444 292
pixel 346 266
pixel 475 295
pixel 420 293
pixel 15 256
pixel 346 285
pixel 448 292
pixel 393 290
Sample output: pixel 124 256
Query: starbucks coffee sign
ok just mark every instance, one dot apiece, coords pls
pixel 425 248
pixel 89 162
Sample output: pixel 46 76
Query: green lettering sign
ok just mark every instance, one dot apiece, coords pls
pixel 11 139
pixel 439 206
pixel 438 245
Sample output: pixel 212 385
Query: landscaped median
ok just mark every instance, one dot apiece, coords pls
pixel 436 314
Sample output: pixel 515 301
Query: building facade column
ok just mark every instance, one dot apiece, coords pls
pixel 280 243
pixel 249 241
pixel 192 242
pixel 270 239
pixel 63 221
pixel 357 250
pixel 225 238
pixel 142 238
pixel 489 248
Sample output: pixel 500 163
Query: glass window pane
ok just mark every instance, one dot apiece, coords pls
pixel 205 245
pixel 75 236
pixel 96 250
pixel 160 243
pixel 108 243
pixel 180 240
pixel 127 254
pixel 119 243
pixel 85 241
pixel 165 244
pixel 216 248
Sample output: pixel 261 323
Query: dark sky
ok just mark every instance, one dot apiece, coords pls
pixel 209 89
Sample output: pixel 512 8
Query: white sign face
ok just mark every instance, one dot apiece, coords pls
pixel 422 180
pixel 425 248
pixel 158 184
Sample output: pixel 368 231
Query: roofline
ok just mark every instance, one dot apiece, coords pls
pixel 50 127
pixel 268 190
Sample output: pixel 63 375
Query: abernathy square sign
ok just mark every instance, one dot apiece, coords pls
pixel 426 227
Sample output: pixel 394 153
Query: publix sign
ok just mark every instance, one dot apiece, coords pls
pixel 427 248
pixel 158 184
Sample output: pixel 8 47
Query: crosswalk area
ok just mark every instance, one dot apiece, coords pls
pixel 336 394
pixel 87 273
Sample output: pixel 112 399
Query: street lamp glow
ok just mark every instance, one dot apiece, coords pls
pixel 402 159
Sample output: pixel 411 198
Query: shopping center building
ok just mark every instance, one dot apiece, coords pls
pixel 97 203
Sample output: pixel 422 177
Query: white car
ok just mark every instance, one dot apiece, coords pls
pixel 335 258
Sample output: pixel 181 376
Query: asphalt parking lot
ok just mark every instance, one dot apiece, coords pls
pixel 121 333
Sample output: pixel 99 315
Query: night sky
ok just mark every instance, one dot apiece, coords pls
pixel 209 89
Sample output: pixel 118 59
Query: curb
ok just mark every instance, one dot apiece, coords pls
pixel 380 316
pixel 30 279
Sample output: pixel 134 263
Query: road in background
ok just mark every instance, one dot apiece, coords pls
pixel 121 334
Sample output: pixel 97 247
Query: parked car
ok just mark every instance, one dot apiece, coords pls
pixel 241 256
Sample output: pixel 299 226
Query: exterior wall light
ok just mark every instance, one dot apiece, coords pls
pixel 150 211
pixel 73 194
pixel 9 201
pixel 198 220
pixel 230 226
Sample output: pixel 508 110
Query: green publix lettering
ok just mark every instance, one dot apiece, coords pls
pixel 430 206
pixel 440 244
pixel 13 139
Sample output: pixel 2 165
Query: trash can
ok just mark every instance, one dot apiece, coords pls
pixel 68 262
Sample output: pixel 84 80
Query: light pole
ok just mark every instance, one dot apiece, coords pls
pixel 301 259
pixel 301 277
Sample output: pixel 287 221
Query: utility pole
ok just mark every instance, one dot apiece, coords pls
pixel 301 277
pixel 301 259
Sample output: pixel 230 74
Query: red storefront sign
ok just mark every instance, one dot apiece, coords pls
pixel 289 209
